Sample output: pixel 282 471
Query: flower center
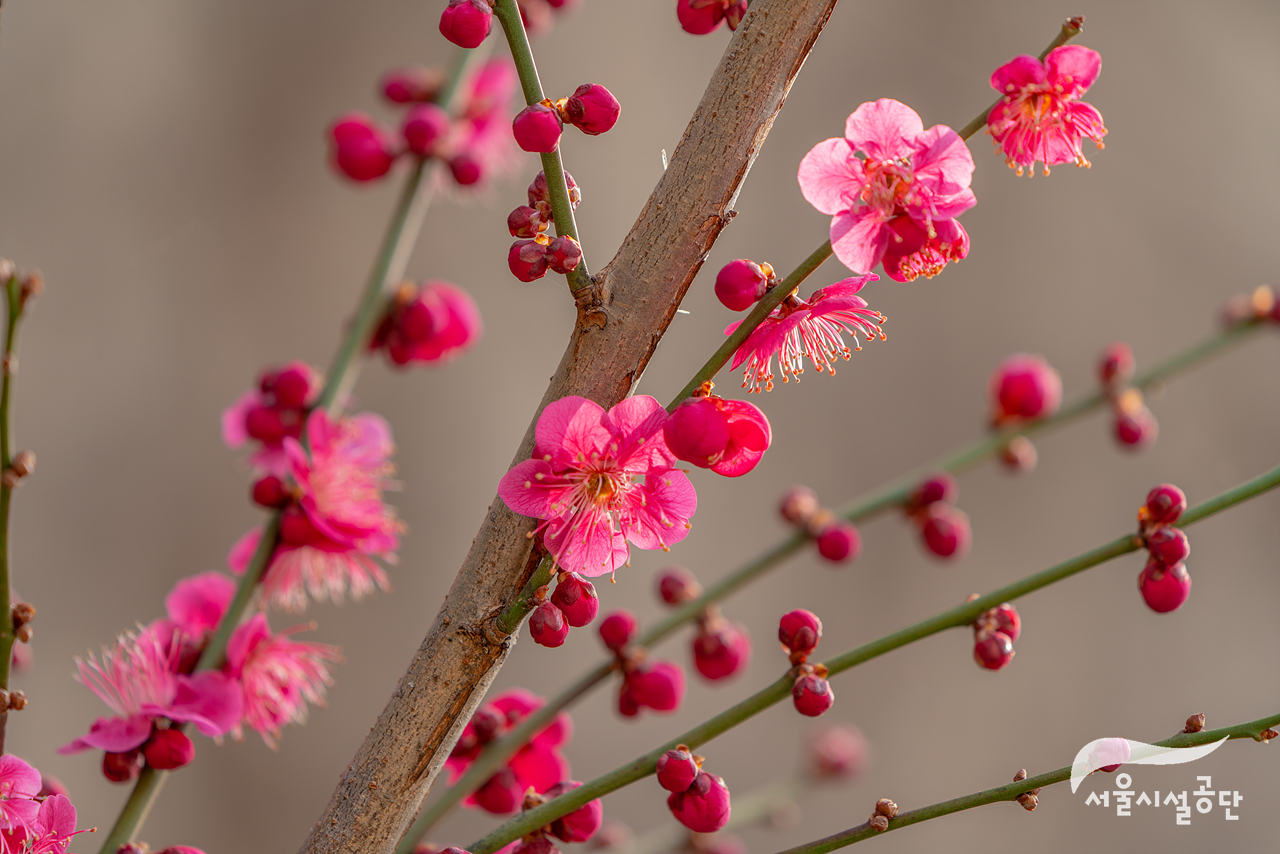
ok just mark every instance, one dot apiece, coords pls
pixel 889 183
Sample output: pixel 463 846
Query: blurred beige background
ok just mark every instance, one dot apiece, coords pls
pixel 163 164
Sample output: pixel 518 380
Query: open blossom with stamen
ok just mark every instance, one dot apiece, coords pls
pixel 585 480
pixel 139 681
pixel 904 171
pixel 49 832
pixel 338 522
pixel 1040 115
pixel 19 784
pixel 278 676
pixel 813 328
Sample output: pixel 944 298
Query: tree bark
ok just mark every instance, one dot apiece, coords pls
pixel 620 323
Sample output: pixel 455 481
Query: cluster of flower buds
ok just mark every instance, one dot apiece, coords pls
pixel 276 409
pixel 993 635
pixel 471 143
pixel 799 632
pixel 721 648
pixel 658 685
pixel 740 284
pixel 577 826
pixel 1135 426
pixel 837 539
pixel 1259 306
pixel 1023 388
pixel 944 528
pixel 1164 581
pixel 727 436
pixel 698 800
pixel 1029 800
pixel 428 323
pixel 574 603
pixel 885 811
pixel 591 108
pixel 467 23
pixel 700 17
pixel 534 252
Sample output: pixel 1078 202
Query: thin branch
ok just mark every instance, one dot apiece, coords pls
pixel 1011 791
pixel 957 617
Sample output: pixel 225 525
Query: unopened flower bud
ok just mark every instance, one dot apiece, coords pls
pixel 525 221
pixel 576 598
pixel 838 751
pixel 1136 430
pixel 721 651
pixel 592 109
pixel 993 650
pixel 740 284
pixel 548 626
pixel 1195 723
pixel 879 823
pixel 812 695
pixel 563 254
pixel 1006 619
pixel 411 85
pixel 699 17
pixel 23 613
pixel 270 492
pixel 539 195
pixel 945 531
pixel 1019 455
pixel 704 806
pixel 798 505
pixel 676 585
pixel 122 767
pixel 886 808
pixel 941 487
pixel 1164 588
pixel 677 769
pixel 839 542
pixel 658 685
pixel 24 633
pixel 1029 801
pixel 360 148
pixel 581 824
pixel 169 749
pixel 537 128
pixel 17 700
pixel 467 23
pixel 1268 734
pixel 500 794
pixel 466 170
pixel 617 629
pixel 1168 544
pixel 1024 387
pixel 1165 505
pixel 1116 365
pixel 528 259
pixel 423 127
pixel 799 631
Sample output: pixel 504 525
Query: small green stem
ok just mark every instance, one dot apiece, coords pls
pixel 508 14
pixel 1011 791
pixel 779 690
pixel 510 619
pixel 13 292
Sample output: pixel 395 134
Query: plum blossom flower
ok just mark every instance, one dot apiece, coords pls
pixel 140 681
pixel 584 480
pixel 19 784
pixel 1040 115
pixel 271 412
pixel 49 832
pixel 813 328
pixel 537 765
pixel 479 146
pixel 904 171
pixel 337 523
pixel 278 676
pixel 432 323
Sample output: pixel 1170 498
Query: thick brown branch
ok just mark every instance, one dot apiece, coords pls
pixel 620 323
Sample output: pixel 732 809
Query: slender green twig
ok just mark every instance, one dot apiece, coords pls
pixel 891 495
pixel 388 269
pixel 960 616
pixel 13 314
pixel 509 620
pixel 508 14
pixel 1011 791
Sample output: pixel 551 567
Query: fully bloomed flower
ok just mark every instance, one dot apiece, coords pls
pixel 49 832
pixel 898 201
pixel 813 328
pixel 1040 115
pixel 278 676
pixel 140 681
pixel 537 765
pixel 338 522
pixel 585 481
pixel 19 784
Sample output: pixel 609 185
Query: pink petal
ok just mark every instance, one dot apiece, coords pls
pixel 246 636
pixel 525 494
pixel 557 733
pixel 517 703
pixel 57 817
pixel 208 699
pixel 948 207
pixel 1017 73
pixel 883 129
pixel 636 425
pixel 859 238
pixel 843 288
pixel 242 552
pixel 831 177
pixel 1079 63
pixel 114 735
pixel 538 767
pixel 749 437
pixel 669 501
pixel 196 604
pixel 18 780
pixel 942 161
pixel 234 433
pixel 586 543
pixel 569 427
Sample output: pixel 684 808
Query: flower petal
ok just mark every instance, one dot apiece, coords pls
pixel 659 516
pixel 586 543
pixel 831 177
pixel 569 428
pixel 1074 67
pixel 114 735
pixel 1023 70
pixel 859 238
pixel 527 489
pixel 942 161
pixel 883 129
pixel 210 700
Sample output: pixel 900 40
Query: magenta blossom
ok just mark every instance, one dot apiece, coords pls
pixel 904 170
pixel 49 832
pixel 278 676
pixel 479 146
pixel 272 411
pixel 140 681
pixel 429 324
pixel 1040 115
pixel 19 784
pixel 584 480
pixel 813 328
pixel 338 522
pixel 537 765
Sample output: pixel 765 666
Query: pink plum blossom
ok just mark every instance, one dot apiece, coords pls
pixel 49 832
pixel 272 411
pixel 278 676
pixel 537 765
pixel 19 784
pixel 140 681
pixel 585 481
pixel 813 328
pixel 339 523
pixel 479 146
pixel 1040 115
pixel 904 171
pixel 429 324
pixel 196 604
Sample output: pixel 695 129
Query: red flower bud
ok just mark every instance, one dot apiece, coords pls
pixel 539 195
pixel 122 767
pixel 525 221
pixel 169 749
pixel 658 685
pixel 617 629
pixel 423 127
pixel 592 109
pixel 581 824
pixel 721 652
pixel 1136 430
pixel 528 259
pixel 467 23
pixel 798 505
pixel 548 626
pixel 993 650
pixel 563 254
pixel 1024 387
pixel 1168 545
pixel 740 284
pixel 1116 365
pixel 838 751
pixel 945 530
pixel 410 85
pixel 360 148
pixel 839 542
pixel 812 695
pixel 677 769
pixel 676 585
pixel 699 18
pixel 466 170
pixel 537 128
pixel 704 806
pixel 1165 505
pixel 940 487
pixel 1007 620
pixel 270 492
pixel 576 598
pixel 500 794
pixel 1164 588
pixel 800 631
